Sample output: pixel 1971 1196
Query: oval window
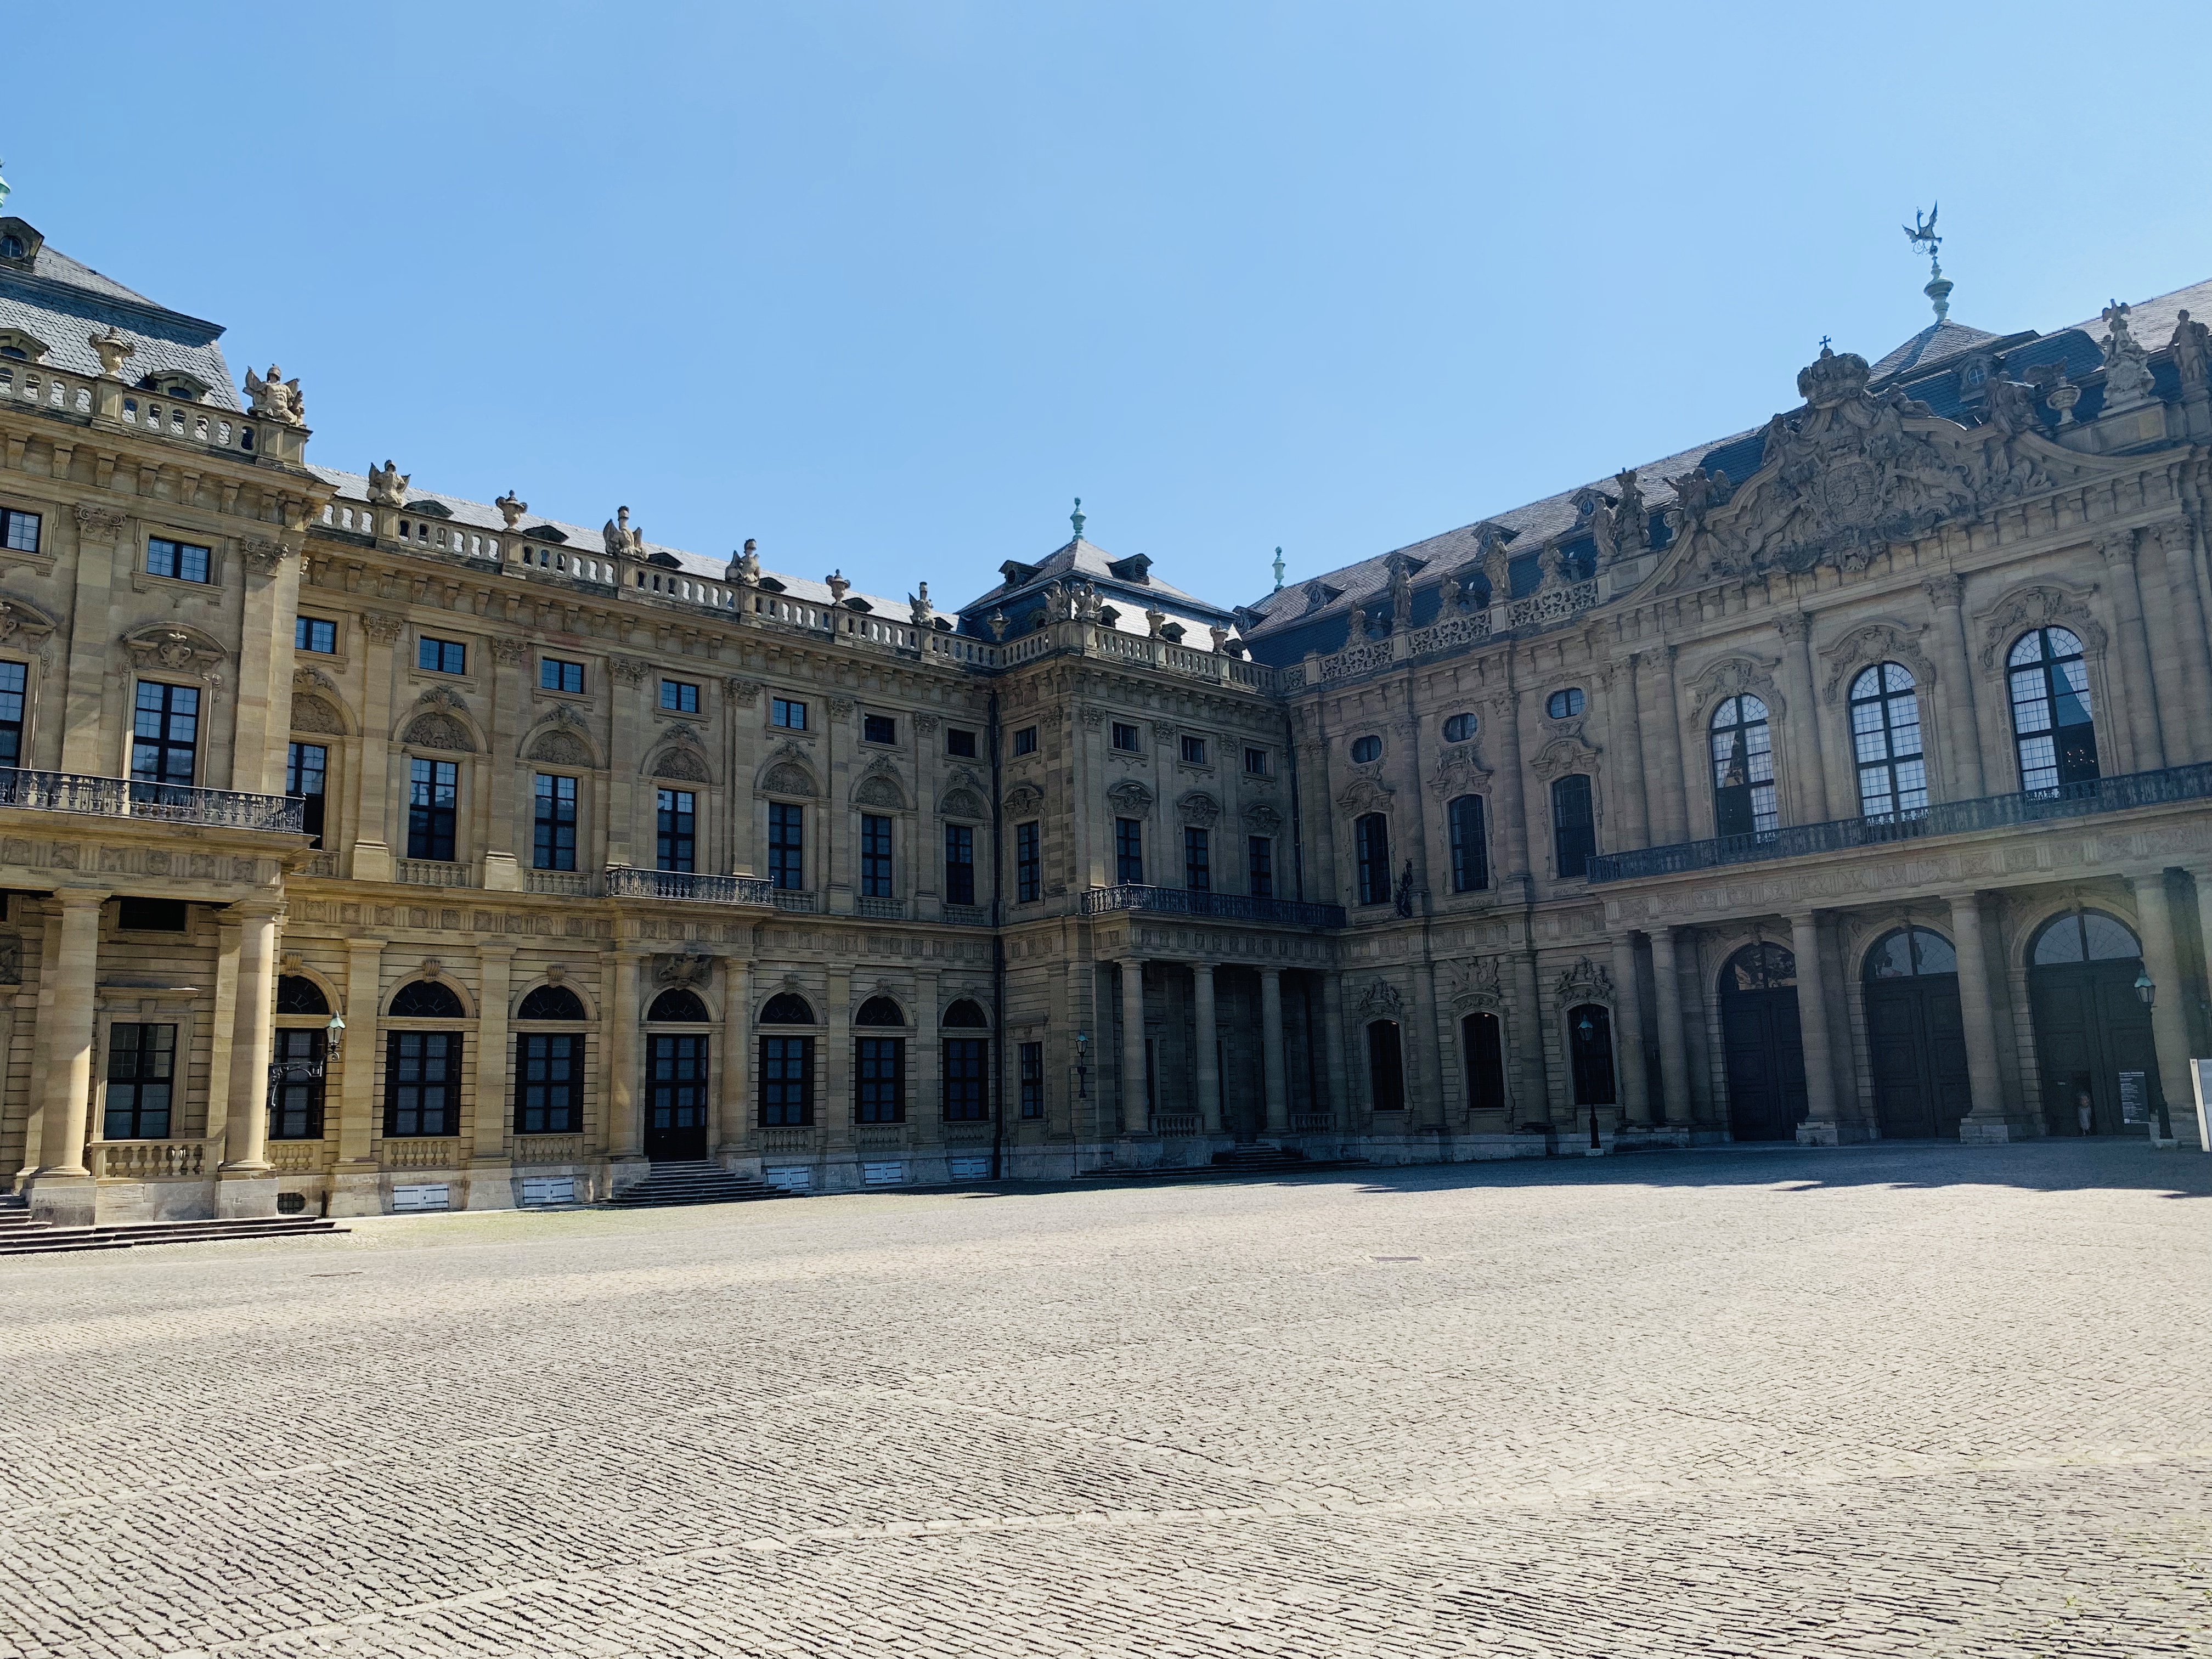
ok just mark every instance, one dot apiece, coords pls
pixel 1564 705
pixel 1366 749
pixel 1459 728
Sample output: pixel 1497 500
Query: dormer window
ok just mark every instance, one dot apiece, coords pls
pixel 11 247
pixel 21 348
pixel 15 353
pixel 1135 569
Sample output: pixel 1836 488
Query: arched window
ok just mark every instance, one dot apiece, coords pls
pixel 678 1004
pixel 1564 705
pixel 788 1008
pixel 1386 1067
pixel 1590 1051
pixel 1481 1038
pixel 1574 826
pixel 551 1002
pixel 1760 968
pixel 1458 728
pixel 965 1013
pixel 297 994
pixel 1470 854
pixel 2085 936
pixel 1911 953
pixel 1367 749
pixel 1370 838
pixel 2051 715
pixel 1886 741
pixel 1743 769
pixel 426 998
pixel 879 1011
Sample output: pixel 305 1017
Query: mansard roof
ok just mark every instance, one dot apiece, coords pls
pixel 352 488
pixel 60 303
pixel 1087 560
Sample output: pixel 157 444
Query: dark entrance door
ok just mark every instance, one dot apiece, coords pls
pixel 1590 1051
pixel 2090 1026
pixel 1916 1042
pixel 1760 1036
pixel 676 1101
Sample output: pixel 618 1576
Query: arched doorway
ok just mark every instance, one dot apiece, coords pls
pixel 1916 1042
pixel 677 1079
pixel 1759 1035
pixel 2090 1027
pixel 1589 1054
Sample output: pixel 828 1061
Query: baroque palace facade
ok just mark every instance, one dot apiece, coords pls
pixel 365 846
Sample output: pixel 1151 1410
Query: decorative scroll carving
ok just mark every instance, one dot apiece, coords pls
pixel 559 748
pixel 1458 772
pixel 1023 799
pixel 1199 809
pixel 743 693
pixel 1586 981
pixel 23 625
pixel 313 713
pixel 786 773
pixel 1565 754
pixel 1366 793
pixel 680 764
pixel 262 554
pixel 628 670
pixel 1261 819
pixel 175 649
pixel 1472 985
pixel 1871 643
pixel 439 731
pixel 102 522
pixel 692 971
pixel 2037 606
pixel 510 650
pixel 382 626
pixel 1130 797
pixel 1731 677
pixel 1382 998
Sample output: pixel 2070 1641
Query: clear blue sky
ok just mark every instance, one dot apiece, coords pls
pixel 884 285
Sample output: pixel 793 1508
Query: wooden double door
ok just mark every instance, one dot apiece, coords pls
pixel 2090 1028
pixel 1917 1052
pixel 1765 1057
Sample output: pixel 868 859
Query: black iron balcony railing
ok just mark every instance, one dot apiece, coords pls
pixel 1950 818
pixel 1227 907
pixel 624 882
pixel 168 803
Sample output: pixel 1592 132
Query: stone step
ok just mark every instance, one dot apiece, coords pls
pixel 60 1241
pixel 1223 1171
pixel 179 1232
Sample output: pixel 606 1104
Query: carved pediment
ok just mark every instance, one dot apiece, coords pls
pixel 1871 643
pixel 1476 984
pixel 1023 799
pixel 962 804
pixel 788 771
pixel 691 970
pixel 1586 981
pixel 23 624
pixel 1199 808
pixel 559 748
pixel 1130 797
pixel 1380 999
pixel 1366 792
pixel 1730 676
pixel 2042 605
pixel 679 763
pixel 439 731
pixel 1565 754
pixel 1458 772
pixel 315 711
pixel 175 647
pixel 879 785
pixel 1261 819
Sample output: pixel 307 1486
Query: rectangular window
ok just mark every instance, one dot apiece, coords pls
pixel 1130 852
pixel 1386 1070
pixel 1025 740
pixel 1032 1079
pixel 1574 826
pixel 185 562
pixel 1197 862
pixel 164 741
pixel 18 531
pixel 782 711
pixel 967 1081
pixel 554 675
pixel 1470 852
pixel 959 742
pixel 881 1098
pixel 683 696
pixel 1371 834
pixel 141 1068
pixel 676 828
pixel 1255 761
pixel 1259 865
pixel 787 1080
pixel 1125 737
pixel 549 1083
pixel 313 633
pixel 875 857
pixel 423 1083
pixel 15 682
pixel 553 845
pixel 297 1111
pixel 1029 864
pixel 1193 752
pixel 879 728
pixel 434 797
pixel 441 656
pixel 787 845
pixel 307 771
pixel 152 916
pixel 959 864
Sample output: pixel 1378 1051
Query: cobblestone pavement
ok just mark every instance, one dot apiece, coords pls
pixel 1896 1400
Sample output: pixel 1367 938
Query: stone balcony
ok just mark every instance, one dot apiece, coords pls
pixel 160 803
pixel 1224 907
pixel 683 887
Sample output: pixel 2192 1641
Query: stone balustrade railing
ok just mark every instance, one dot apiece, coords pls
pixel 435 1152
pixel 165 803
pixel 151 1160
pixel 625 881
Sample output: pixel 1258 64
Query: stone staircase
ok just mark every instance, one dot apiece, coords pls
pixel 691 1183
pixel 23 1234
pixel 1250 1159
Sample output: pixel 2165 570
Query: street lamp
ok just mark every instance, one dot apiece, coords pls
pixel 1587 1030
pixel 1082 1067
pixel 2146 990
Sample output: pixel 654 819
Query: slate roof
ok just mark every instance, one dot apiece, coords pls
pixel 1937 343
pixel 353 488
pixel 62 303
pixel 1094 564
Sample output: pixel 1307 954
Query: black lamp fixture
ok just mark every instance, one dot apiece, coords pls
pixel 1082 1066
pixel 2145 989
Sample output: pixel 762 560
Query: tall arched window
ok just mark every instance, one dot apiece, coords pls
pixel 1482 1045
pixel 1743 769
pixel 1574 826
pixel 1886 741
pixel 549 1066
pixel 2051 715
pixel 967 1065
pixel 422 1069
pixel 1470 855
pixel 1370 836
pixel 1386 1065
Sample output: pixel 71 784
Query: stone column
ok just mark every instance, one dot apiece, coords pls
pixel 1674 1040
pixel 734 1118
pixel 264 665
pixel 2172 539
pixel 246 1132
pixel 223 1017
pixel 1804 722
pixel 1823 1126
pixel 355 1184
pixel 1628 1033
pixel 506 708
pixel 1953 693
pixel 1133 1118
pixel 1208 1056
pixel 490 1163
pixel 623 760
pixel 103 559
pixel 1340 1081
pixel 1512 788
pixel 1989 1119
pixel 834 1113
pixel 1271 1055
pixel 1673 800
pixel 625 1114
pixel 373 801
pixel 2132 658
pixel 928 1093
pixel 2169 1016
pixel 840 822
pixel 1634 814
pixel 66 1088
pixel 1531 1093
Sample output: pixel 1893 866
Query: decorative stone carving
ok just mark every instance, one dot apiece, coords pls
pixel 263 555
pixel 1366 792
pixel 1472 985
pixel 2127 375
pixel 786 772
pixel 679 763
pixel 691 970
pixel 102 522
pixel 1566 753
pixel 926 725
pixel 311 713
pixel 509 650
pixel 745 693
pixel 1795 626
pixel 1458 772
pixel 1381 999
pixel 840 708
pixel 1199 809
pixel 1091 717
pixel 744 567
pixel 559 748
pixel 175 647
pixel 620 539
pixel 438 731
pixel 112 349
pixel 630 670
pixel 382 626
pixel 1586 981
pixel 511 507
pixel 1731 677
pixel 879 790
pixel 1943 590
pixel 1871 643
pixel 1629 520
pixel 2036 606
pixel 1131 798
pixel 1261 819
pixel 2190 348
pixel 276 399
pixel 387 487
pixel 962 804
pixel 23 625
pixel 1023 799
pixel 1401 590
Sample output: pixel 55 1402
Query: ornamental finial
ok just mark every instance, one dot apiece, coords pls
pixel 1278 570
pixel 1075 518
pixel 1922 234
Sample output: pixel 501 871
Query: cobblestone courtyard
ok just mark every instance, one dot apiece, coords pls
pixel 1899 1401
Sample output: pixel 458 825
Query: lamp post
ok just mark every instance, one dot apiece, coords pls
pixel 282 1072
pixel 1587 1030
pixel 2146 990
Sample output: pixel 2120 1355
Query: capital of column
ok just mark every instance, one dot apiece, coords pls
pixel 80 898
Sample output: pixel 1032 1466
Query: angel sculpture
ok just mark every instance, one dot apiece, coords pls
pixel 276 399
pixel 388 485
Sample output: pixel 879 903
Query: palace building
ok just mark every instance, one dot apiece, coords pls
pixel 366 846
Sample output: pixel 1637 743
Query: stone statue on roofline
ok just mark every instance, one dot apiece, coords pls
pixel 1630 519
pixel 2127 376
pixel 620 540
pixel 511 509
pixel 276 399
pixel 388 485
pixel 2008 406
pixel 1401 592
pixel 744 568
pixel 2190 348
pixel 917 604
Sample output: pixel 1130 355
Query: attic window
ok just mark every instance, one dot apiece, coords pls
pixel 11 247
pixel 1135 569
pixel 15 352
